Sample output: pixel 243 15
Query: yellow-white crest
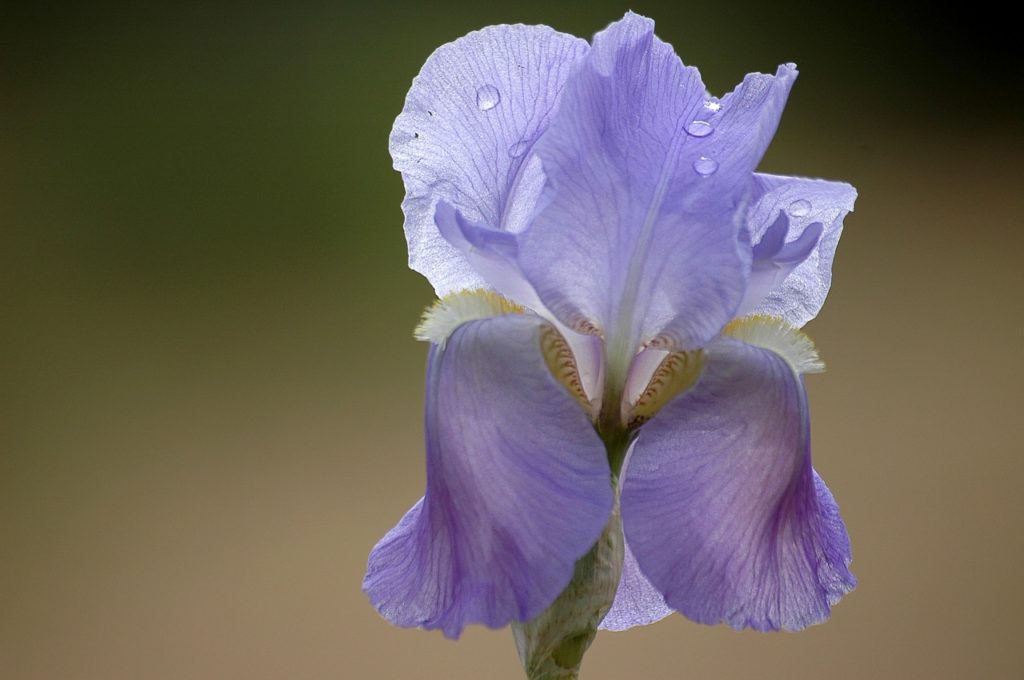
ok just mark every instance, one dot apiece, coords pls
pixel 776 335
pixel 442 318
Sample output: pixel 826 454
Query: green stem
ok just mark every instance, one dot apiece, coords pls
pixel 551 646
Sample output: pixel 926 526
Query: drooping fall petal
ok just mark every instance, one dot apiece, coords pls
pixel 721 506
pixel 517 487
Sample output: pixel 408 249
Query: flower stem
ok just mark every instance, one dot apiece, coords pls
pixel 551 646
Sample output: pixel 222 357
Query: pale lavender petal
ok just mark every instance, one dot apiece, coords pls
pixel 744 122
pixel 637 602
pixel 635 235
pixel 464 135
pixel 774 260
pixel 772 239
pixel 800 248
pixel 493 254
pixel 641 370
pixel 798 295
pixel 721 506
pixel 518 488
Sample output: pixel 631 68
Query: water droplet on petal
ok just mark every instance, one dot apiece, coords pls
pixel 704 166
pixel 699 128
pixel 519 148
pixel 712 105
pixel 487 97
pixel 799 208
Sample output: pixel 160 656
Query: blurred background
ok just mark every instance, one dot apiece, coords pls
pixel 210 399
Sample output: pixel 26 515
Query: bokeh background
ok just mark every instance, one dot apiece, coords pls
pixel 210 401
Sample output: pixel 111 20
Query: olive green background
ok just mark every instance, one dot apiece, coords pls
pixel 210 401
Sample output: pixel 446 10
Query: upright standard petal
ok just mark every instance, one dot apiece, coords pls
pixel 814 210
pixel 774 259
pixel 518 487
pixel 721 506
pixel 647 179
pixel 469 121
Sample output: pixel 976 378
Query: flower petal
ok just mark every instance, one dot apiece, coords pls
pixel 774 260
pixel 797 292
pixel 634 234
pixel 637 602
pixel 518 487
pixel 721 506
pixel 470 118
pixel 493 254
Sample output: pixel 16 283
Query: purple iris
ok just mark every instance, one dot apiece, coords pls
pixel 637 347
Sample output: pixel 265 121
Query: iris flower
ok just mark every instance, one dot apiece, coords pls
pixel 617 332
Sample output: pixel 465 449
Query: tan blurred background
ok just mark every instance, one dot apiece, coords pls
pixel 210 402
